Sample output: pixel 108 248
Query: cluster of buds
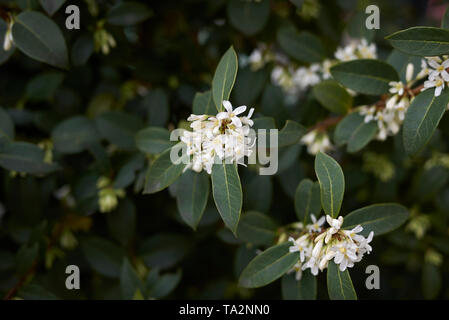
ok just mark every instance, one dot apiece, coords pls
pixel 223 137
pixel 316 141
pixel 318 245
pixel 294 79
pixel 107 195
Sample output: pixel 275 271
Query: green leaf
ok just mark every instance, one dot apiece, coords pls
pixel 156 104
pixel 307 199
pixel 164 250
pixel 400 60
pixel 248 17
pixel 302 46
pixel 332 183
pixel 339 284
pixel 40 38
pixel 6 125
pixel 51 6
pixel 224 78
pixel 259 193
pixel 153 140
pixel 127 173
pixel 332 96
pixel 82 49
pixel 256 228
pixel 164 285
pixel 366 76
pixel 269 266
pixel 25 157
pixel 227 192
pixel 128 13
pixel 192 195
pixel 103 256
pixel 303 289
pixel 74 135
pixel 379 218
pixel 162 173
pixel 290 134
pixel 421 41
pixel 422 118
pixel 203 103
pixel 354 132
pixel 248 86
pixel 129 281
pixel 119 128
pixel 44 86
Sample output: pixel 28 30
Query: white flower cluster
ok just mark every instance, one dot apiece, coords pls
pixel 317 141
pixel 295 79
pixel 435 69
pixel 318 245
pixel 391 116
pixel 224 137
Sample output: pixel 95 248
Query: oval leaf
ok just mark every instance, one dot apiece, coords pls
pixel 128 13
pixel 153 140
pixel 422 118
pixel 339 284
pixel 354 132
pixel 40 38
pixel 366 76
pixel 270 265
pixel 224 77
pixel 191 196
pixel 421 41
pixel 256 228
pixel 227 192
pixel 303 46
pixel 74 135
pixel 248 16
pixel 162 173
pixel 203 103
pixel 332 96
pixel 307 199
pixel 379 218
pixel 332 183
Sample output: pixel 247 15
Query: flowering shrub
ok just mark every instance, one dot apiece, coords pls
pixel 197 149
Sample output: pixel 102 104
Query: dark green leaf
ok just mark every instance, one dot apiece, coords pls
pixel 303 289
pixel 379 218
pixel 366 76
pixel 269 266
pixel 40 38
pixel 74 135
pixel 192 195
pixel 332 96
pixel 153 140
pixel 422 118
pixel 128 13
pixel 303 46
pixel 307 199
pixel 256 228
pixel 227 192
pixel 339 284
pixel 332 183
pixel 224 78
pixel 248 17
pixel 421 41
pixel 354 132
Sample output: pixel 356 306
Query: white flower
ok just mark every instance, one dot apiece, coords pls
pixel 345 255
pixel 436 82
pixel 301 245
pixel 335 226
pixel 231 114
pixel 424 70
pixel 367 51
pixel 345 54
pixel 397 87
pixel 297 268
pixel 368 112
pixel 316 141
pixel 440 70
pixel 316 224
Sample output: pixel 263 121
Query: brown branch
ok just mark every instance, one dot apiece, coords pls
pixel 12 292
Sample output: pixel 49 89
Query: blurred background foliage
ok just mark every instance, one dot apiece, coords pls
pixel 143 68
